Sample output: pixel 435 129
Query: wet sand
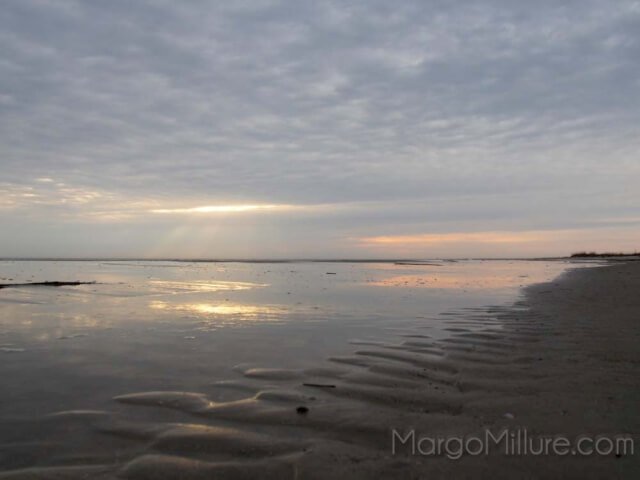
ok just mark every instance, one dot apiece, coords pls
pixel 563 360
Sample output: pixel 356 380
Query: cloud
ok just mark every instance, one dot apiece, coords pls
pixel 412 117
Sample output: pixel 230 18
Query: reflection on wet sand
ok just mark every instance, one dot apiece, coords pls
pixel 250 311
pixel 421 281
pixel 467 277
pixel 203 286
pixel 242 397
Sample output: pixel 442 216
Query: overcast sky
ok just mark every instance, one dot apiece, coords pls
pixel 319 129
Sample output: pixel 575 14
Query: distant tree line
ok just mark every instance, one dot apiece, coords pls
pixel 603 254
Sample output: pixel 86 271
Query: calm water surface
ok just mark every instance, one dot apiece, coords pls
pixel 182 326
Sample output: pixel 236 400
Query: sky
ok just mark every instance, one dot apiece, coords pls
pixel 300 129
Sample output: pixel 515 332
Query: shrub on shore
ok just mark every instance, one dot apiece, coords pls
pixel 603 254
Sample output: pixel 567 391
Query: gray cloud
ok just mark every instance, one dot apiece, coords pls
pixel 406 117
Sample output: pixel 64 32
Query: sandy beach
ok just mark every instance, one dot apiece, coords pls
pixel 563 360
pixel 271 239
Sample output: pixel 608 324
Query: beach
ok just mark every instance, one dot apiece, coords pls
pixel 552 353
pixel 319 240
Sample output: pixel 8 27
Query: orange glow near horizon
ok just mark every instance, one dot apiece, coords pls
pixel 436 238
pixel 503 243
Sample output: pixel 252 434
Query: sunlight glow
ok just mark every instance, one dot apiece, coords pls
pixel 250 311
pixel 208 286
pixel 222 208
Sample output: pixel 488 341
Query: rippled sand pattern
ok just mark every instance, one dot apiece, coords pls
pixel 288 423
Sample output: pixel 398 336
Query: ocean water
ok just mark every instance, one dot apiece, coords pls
pixel 176 325
pixel 159 326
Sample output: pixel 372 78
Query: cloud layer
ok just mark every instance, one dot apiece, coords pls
pixel 369 119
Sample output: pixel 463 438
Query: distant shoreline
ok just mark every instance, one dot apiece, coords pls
pixel 406 261
pixel 603 255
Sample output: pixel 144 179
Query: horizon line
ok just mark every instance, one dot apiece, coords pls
pixel 270 260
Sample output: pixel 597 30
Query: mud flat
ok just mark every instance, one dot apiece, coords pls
pixel 564 360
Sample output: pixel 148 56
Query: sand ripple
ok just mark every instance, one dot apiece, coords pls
pixel 294 422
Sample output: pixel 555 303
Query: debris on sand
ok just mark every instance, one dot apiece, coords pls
pixel 419 264
pixel 45 284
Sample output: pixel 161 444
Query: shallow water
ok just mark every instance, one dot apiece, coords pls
pixel 194 327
